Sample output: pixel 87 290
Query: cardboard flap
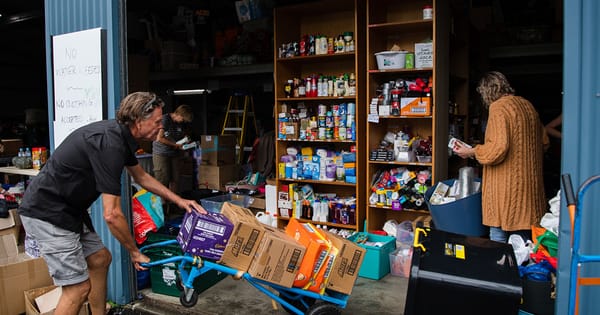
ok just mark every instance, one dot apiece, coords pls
pixel 8 246
pixel 8 222
pixel 48 301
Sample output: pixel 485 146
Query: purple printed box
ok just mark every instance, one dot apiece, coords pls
pixel 204 235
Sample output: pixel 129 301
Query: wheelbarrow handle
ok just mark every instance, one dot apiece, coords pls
pixel 568 189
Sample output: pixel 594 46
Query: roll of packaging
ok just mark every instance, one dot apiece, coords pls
pixel 466 177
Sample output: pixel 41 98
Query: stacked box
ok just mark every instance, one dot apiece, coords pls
pixel 218 150
pixel 205 235
pixel 277 258
pixel 318 248
pixel 346 266
pixel 217 176
pixel 244 240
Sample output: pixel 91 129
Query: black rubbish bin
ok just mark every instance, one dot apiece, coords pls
pixel 457 274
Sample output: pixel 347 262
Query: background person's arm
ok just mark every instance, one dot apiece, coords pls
pixel 551 127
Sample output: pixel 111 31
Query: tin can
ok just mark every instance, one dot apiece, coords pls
pixel 342 109
pixel 329 121
pixel 335 109
pixel 350 108
pixel 321 133
pixel 336 132
pixel 322 111
pixel 328 133
pixel 342 133
pixel 322 121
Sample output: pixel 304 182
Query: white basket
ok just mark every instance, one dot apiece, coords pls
pixel 390 59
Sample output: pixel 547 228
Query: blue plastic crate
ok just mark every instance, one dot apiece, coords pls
pixel 377 259
pixel 214 204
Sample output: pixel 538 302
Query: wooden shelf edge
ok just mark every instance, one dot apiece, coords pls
pixel 339 225
pixel 321 182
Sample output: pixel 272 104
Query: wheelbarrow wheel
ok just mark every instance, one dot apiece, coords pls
pixel 323 308
pixel 297 303
pixel 193 299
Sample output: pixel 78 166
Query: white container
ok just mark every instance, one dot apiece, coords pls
pixel 390 59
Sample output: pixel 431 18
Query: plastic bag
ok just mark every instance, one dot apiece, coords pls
pixel 521 248
pixel 550 220
pixel 147 214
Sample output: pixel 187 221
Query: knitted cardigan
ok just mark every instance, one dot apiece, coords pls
pixel 512 156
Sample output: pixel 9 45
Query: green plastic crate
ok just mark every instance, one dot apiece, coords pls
pixel 377 260
pixel 163 278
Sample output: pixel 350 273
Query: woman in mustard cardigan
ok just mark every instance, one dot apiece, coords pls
pixel 512 155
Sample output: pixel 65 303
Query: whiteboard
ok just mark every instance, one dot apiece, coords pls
pixel 79 84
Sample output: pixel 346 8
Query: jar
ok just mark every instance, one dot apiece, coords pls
pixel 427 12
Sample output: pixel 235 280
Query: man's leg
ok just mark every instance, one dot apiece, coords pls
pixel 72 298
pixel 98 264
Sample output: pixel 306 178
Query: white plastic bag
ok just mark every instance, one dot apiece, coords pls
pixel 521 248
pixel 550 220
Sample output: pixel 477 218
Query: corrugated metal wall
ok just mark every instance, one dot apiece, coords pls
pixel 581 134
pixel 65 16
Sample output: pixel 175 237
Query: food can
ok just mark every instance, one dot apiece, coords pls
pixel 322 110
pixel 321 133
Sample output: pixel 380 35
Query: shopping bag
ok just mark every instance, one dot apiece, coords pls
pixel 148 214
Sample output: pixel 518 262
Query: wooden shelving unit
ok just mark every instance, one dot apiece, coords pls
pixel 329 18
pixel 392 22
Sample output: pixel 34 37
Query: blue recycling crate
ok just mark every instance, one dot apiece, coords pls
pixel 377 259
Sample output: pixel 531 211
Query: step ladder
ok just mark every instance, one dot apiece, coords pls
pixel 240 109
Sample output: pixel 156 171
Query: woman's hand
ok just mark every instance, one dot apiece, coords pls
pixel 463 151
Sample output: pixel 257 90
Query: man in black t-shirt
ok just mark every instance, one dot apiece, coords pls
pixel 88 164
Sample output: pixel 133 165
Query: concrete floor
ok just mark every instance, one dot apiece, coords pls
pixel 231 297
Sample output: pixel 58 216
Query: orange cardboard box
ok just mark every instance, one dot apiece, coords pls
pixel 415 106
pixel 318 282
pixel 317 250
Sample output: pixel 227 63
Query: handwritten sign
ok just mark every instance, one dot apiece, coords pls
pixel 423 55
pixel 77 65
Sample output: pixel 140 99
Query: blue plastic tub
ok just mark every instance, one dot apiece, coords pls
pixel 462 216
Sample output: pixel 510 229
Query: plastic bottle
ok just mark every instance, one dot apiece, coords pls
pixel 21 152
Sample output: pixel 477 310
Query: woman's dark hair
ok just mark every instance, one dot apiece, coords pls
pixel 138 106
pixel 492 86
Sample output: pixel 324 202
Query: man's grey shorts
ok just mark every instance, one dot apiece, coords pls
pixel 64 251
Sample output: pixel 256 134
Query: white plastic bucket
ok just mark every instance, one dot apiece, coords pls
pixel 390 59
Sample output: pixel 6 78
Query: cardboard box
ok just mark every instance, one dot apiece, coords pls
pixel 277 258
pixel 218 150
pixel 245 238
pixel 18 273
pixel 204 235
pixel 317 250
pixel 215 177
pixel 11 225
pixel 43 301
pixel 11 147
pixel 346 265
pixel 415 106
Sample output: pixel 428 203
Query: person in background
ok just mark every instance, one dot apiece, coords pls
pixel 512 156
pixel 89 164
pixel 551 127
pixel 167 154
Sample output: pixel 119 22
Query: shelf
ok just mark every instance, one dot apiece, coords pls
pixel 320 182
pixel 405 26
pixel 419 70
pixel 405 117
pixel 401 163
pixel 342 55
pixel 319 98
pixel 423 212
pixel 338 225
pixel 318 141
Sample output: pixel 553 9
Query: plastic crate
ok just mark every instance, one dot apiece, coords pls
pixel 163 278
pixel 214 204
pixel 377 261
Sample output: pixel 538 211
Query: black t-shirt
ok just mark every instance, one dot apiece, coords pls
pixel 88 162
